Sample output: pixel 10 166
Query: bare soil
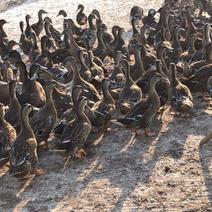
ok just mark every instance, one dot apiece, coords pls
pixel 168 172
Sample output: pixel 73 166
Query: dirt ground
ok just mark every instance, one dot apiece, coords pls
pixel 168 172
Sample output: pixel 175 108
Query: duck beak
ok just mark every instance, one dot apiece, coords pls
pixel 61 85
pixel 35 109
pixel 13 67
pixel 35 76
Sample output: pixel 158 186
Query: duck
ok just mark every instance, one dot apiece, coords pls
pixel 101 113
pixel 75 135
pixel 120 43
pixel 90 34
pixel 177 49
pixel 28 30
pixel 8 136
pixel 70 114
pixel 23 155
pixel 35 50
pixel 44 120
pixel 62 101
pixel 97 73
pixel 56 35
pixel 81 18
pixel 32 91
pixel 115 36
pixel 85 71
pixel 101 50
pixel 14 57
pixel 26 44
pixel 131 93
pixel 137 70
pixel 38 27
pixel 6 48
pixel 88 88
pixel 56 71
pixel 13 114
pixel 143 112
pixel 180 95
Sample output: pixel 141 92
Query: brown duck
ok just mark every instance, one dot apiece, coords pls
pixel 8 136
pixel 32 91
pixel 23 153
pixel 44 120
pixel 38 27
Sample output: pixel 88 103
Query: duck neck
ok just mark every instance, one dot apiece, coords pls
pixel 142 34
pixel 176 38
pixel 174 79
pixel 49 99
pixel 34 41
pixel 77 79
pixel 152 92
pixel 81 11
pixel 106 94
pixel 13 97
pixel 27 23
pixel 2 120
pixel 25 126
pixel 24 75
pixel 129 80
pixel 138 62
pixel 161 54
pixel 135 30
pixel 91 24
pixel 46 27
pixel 90 55
pixel 84 65
pixel 192 49
pixel 50 61
pixel 207 36
pixel 22 28
pixel 81 114
pixel 72 40
pixel 101 43
pixel 40 17
pixel 208 55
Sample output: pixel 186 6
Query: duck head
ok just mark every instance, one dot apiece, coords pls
pixel 3 22
pixel 41 12
pixel 96 13
pixel 28 17
pixel 62 13
pixel 47 19
pixel 152 13
pixel 136 13
pixel 80 7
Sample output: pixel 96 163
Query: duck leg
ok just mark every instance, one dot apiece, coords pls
pixel 80 153
pixel 38 171
pixel 162 111
pixel 66 162
pixel 149 134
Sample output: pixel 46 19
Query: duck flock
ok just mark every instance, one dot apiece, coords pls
pixel 69 84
